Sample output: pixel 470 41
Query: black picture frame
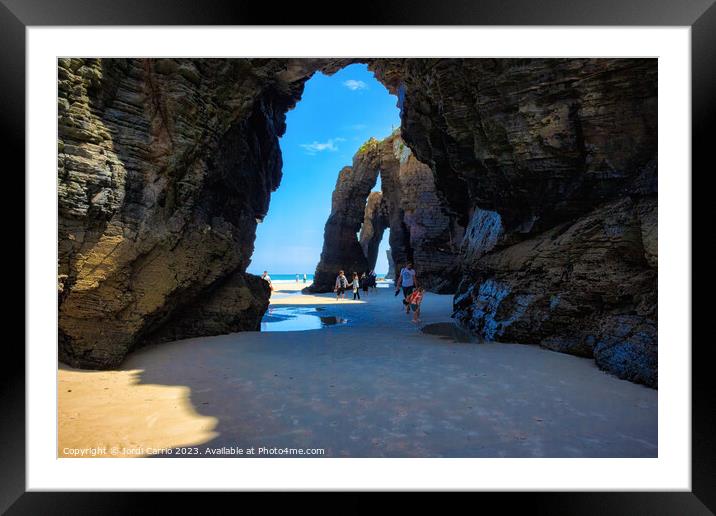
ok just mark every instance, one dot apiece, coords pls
pixel 700 15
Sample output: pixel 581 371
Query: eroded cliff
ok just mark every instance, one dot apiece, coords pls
pixel 551 165
pixel 164 166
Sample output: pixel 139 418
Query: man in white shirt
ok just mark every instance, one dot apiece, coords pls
pixel 341 285
pixel 407 279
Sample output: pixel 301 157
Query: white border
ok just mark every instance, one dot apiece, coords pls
pixel 670 471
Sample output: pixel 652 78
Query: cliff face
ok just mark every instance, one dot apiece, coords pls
pixel 433 234
pixel 408 205
pixel 551 165
pixel 163 168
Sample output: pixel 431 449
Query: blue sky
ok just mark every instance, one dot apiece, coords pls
pixel 331 121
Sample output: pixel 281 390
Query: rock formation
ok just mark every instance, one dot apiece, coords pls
pixel 551 165
pixel 391 265
pixel 434 235
pixel 164 166
pixel 375 221
pixel 341 249
pixel 420 228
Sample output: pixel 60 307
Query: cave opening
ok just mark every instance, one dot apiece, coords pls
pixel 512 168
pixel 336 115
pixel 526 194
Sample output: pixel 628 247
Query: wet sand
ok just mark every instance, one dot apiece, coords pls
pixel 373 387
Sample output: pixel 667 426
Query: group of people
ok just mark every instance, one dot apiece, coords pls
pixel 407 281
pixel 366 281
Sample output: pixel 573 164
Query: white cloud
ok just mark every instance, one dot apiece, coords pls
pixel 354 85
pixel 330 145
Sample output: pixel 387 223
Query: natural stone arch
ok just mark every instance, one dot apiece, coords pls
pixel 421 230
pixel 153 220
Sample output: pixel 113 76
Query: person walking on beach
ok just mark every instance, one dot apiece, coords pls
pixel 414 301
pixel 372 280
pixel 267 279
pixel 365 283
pixel 304 277
pixel 407 279
pixel 297 278
pixel 341 285
pixel 356 286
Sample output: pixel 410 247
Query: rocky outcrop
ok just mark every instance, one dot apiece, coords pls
pixel 551 165
pixel 164 166
pixel 236 303
pixel 544 290
pixel 420 228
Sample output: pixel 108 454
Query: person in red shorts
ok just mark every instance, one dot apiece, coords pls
pixel 414 300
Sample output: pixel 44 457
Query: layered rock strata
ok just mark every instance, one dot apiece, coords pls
pixel 420 229
pixel 164 167
pixel 551 165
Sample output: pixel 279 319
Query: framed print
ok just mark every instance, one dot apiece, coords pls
pixel 424 249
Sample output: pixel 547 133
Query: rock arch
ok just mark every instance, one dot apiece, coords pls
pixel 421 230
pixel 164 166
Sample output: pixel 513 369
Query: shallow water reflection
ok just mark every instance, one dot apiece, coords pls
pixel 296 318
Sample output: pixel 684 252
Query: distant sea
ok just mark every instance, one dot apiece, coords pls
pixel 309 277
pixel 279 277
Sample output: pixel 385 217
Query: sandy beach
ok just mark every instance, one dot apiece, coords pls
pixel 374 386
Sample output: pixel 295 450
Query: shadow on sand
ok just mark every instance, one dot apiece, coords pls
pixel 385 389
